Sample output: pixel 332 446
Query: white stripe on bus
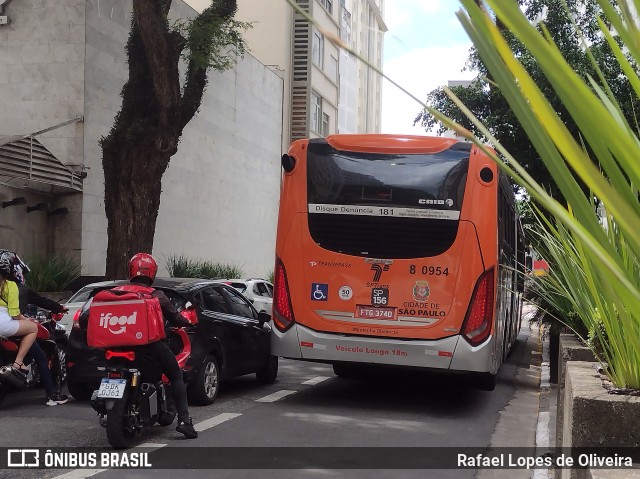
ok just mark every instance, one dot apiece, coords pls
pixel 390 211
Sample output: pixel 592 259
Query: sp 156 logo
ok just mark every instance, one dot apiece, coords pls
pixel 379 296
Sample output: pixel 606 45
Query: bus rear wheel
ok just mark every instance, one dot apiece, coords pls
pixel 486 381
pixel 344 370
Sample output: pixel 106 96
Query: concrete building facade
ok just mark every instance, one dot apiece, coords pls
pixel 63 64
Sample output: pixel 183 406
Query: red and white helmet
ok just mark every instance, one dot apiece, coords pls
pixel 143 264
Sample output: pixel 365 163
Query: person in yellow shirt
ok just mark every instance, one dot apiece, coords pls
pixel 12 322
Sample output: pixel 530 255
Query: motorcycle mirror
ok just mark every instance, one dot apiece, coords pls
pixel 190 315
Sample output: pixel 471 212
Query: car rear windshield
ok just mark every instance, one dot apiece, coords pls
pixel 81 296
pixel 385 205
pixel 242 287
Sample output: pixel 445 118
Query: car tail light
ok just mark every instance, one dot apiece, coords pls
pixel 477 324
pixel 76 320
pixel 282 311
pixel 190 315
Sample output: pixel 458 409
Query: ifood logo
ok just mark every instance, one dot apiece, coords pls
pixel 109 321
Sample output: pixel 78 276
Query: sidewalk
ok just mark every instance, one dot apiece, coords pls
pixel 519 419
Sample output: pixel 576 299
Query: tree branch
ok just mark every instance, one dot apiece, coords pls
pixel 151 21
pixel 217 13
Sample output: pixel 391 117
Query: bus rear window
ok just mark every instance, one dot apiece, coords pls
pixel 385 205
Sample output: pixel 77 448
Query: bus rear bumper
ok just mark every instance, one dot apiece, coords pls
pixel 452 353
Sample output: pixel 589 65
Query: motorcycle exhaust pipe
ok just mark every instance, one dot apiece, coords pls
pixel 7 374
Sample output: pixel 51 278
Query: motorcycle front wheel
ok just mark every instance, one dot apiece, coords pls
pixel 59 367
pixel 4 388
pixel 123 429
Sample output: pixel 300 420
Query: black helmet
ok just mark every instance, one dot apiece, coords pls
pixel 12 267
pixel 6 263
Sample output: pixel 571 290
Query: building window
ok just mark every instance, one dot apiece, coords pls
pixel 317 48
pixel 316 112
pixel 328 4
pixel 333 68
pixel 325 124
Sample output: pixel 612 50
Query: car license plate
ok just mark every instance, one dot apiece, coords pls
pixel 374 312
pixel 112 388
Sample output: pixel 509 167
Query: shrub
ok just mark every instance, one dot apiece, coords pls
pixel 180 266
pixel 53 273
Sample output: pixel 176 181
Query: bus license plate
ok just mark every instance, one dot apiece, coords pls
pixel 373 312
pixel 112 388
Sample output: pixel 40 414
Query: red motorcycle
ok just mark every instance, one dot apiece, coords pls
pixel 133 395
pixel 52 341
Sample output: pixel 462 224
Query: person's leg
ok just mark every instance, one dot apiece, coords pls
pixel 170 368
pixel 37 353
pixel 28 330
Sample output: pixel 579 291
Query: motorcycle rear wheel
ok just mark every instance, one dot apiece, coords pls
pixel 166 418
pixel 121 431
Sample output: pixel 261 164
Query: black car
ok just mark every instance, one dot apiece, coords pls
pixel 230 339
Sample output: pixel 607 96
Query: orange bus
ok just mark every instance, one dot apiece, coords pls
pixel 397 250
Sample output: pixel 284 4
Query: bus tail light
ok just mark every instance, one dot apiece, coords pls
pixel 282 311
pixel 477 324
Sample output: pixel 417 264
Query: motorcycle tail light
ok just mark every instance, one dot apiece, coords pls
pixel 114 375
pixel 130 355
pixel 76 320
pixel 58 316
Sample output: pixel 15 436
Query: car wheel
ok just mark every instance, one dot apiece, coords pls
pixel 204 389
pixel 269 373
pixel 80 391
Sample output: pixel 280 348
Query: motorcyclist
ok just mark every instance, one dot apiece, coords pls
pixel 27 298
pixel 142 270
pixel 12 322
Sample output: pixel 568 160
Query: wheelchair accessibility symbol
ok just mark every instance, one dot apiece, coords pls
pixel 319 291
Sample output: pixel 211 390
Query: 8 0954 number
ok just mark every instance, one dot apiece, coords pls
pixel 429 270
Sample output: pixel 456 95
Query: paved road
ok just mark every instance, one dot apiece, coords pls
pixel 307 406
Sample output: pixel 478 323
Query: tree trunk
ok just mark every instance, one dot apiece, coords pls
pixel 155 110
pixel 132 217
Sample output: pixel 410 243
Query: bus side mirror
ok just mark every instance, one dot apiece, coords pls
pixel 288 163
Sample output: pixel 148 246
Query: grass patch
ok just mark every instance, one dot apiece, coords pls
pixel 181 266
pixel 53 273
